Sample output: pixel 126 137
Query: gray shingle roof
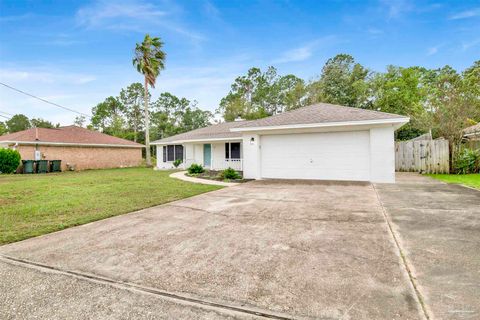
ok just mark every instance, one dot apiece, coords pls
pixel 216 131
pixel 321 113
pixel 317 113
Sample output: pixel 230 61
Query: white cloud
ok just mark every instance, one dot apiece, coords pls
pixel 16 18
pixel 434 50
pixel 304 52
pixel 211 10
pixel 103 12
pixel 395 8
pixel 46 77
pixel 466 14
pixel 375 31
pixel 133 16
pixel 471 44
pixel 82 91
pixel 431 51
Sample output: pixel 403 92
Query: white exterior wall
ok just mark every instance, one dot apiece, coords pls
pixel 251 156
pixel 378 150
pixel 160 163
pixel 188 151
pixel 198 153
pixel 382 155
pixel 218 155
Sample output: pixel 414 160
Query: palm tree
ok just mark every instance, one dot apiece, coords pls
pixel 149 59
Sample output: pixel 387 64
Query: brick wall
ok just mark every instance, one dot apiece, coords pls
pixel 86 157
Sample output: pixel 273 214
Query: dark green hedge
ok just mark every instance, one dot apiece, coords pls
pixel 9 160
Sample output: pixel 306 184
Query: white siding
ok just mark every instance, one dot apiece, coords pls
pixel 323 156
pixel 218 155
pixel 382 155
pixel 251 156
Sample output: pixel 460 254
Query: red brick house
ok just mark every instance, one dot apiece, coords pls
pixel 75 146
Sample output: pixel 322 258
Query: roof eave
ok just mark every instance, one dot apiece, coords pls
pixel 397 122
pixel 103 145
pixel 159 142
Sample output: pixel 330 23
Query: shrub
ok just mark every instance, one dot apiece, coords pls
pixel 9 160
pixel 195 169
pixel 230 174
pixel 467 161
pixel 177 162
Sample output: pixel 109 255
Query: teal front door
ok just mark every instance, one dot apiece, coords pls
pixel 207 155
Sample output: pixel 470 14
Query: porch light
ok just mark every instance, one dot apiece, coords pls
pixel 252 140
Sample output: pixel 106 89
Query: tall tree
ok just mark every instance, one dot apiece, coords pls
pixel 401 91
pixel 172 115
pixel 80 121
pixel 471 78
pixel 149 59
pixel 3 128
pixel 41 123
pixel 454 105
pixel 108 116
pixel 260 94
pixel 132 100
pixel 17 123
pixel 343 82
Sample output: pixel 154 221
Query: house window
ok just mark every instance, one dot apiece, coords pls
pixel 232 150
pixel 172 152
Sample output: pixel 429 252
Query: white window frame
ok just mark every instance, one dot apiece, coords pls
pixel 174 152
pixel 230 150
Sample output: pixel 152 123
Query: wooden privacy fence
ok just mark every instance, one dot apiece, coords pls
pixel 424 156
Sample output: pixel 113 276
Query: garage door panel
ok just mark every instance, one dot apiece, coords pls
pixel 328 156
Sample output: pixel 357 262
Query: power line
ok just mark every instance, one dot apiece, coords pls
pixel 4 117
pixel 41 99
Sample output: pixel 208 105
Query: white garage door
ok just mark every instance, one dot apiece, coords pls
pixel 325 156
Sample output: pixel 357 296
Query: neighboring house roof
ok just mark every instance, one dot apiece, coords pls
pixel 323 113
pixel 216 132
pixel 472 131
pixel 320 114
pixel 68 135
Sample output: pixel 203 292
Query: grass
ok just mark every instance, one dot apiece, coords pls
pixel 471 180
pixel 32 205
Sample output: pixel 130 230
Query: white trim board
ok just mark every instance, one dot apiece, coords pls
pixel 67 144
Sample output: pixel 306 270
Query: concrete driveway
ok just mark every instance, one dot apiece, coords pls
pixel 265 249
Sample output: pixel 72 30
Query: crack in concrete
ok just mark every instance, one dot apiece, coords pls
pixel 366 221
pixel 253 198
pixel 406 263
pixel 178 298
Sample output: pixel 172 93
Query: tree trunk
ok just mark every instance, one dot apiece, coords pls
pixel 147 127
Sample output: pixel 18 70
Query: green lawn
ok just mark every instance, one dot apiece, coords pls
pixel 31 205
pixel 471 180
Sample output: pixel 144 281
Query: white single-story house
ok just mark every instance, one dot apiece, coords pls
pixel 321 141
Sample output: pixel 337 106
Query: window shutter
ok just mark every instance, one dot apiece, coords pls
pixel 227 151
pixel 164 153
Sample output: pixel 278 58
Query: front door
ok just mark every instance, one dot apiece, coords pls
pixel 207 155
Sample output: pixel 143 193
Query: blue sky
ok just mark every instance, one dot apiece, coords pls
pixel 76 53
